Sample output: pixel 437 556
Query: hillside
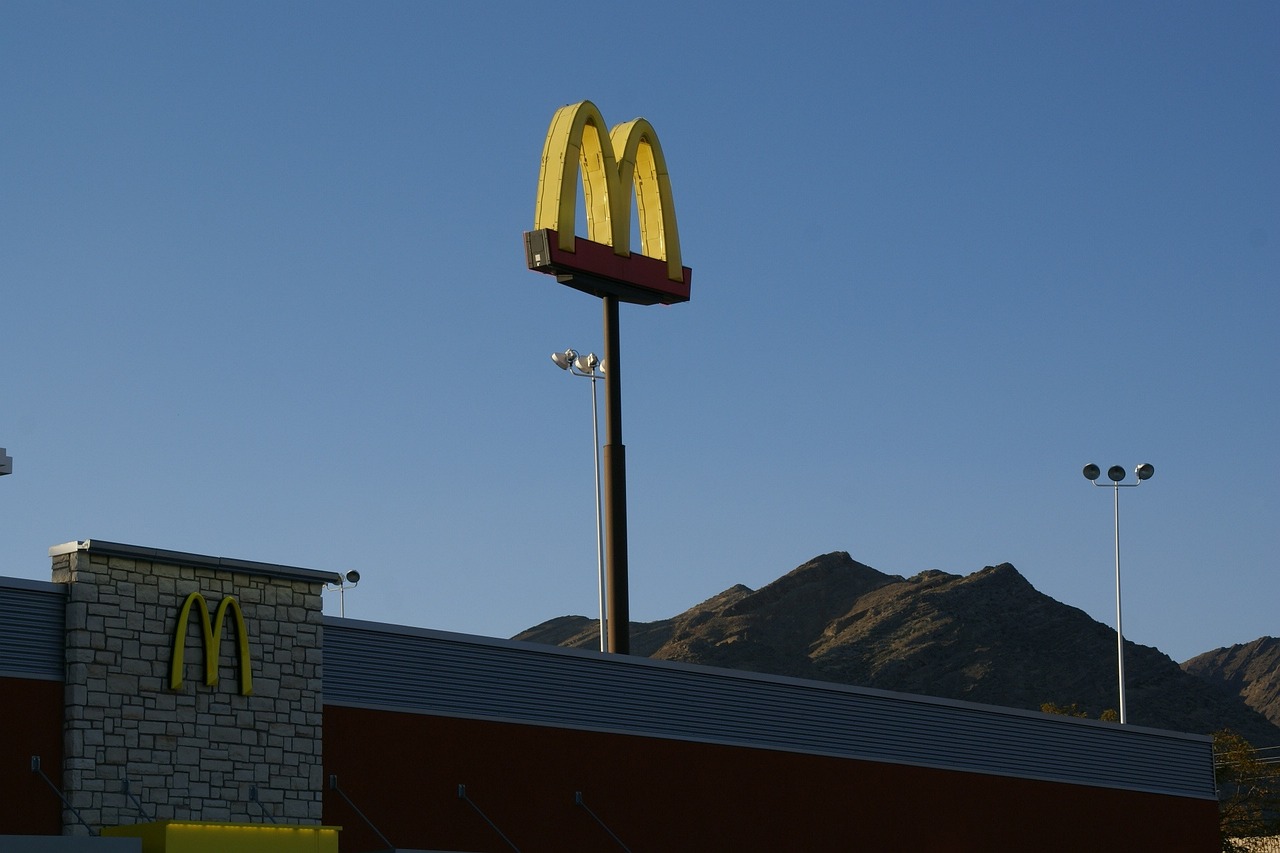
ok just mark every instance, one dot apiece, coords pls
pixel 1250 671
pixel 986 637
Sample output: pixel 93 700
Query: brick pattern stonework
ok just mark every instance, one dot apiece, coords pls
pixel 199 752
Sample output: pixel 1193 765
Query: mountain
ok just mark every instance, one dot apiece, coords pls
pixel 986 637
pixel 1250 671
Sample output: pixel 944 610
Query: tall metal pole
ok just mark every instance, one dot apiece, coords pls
pixel 1115 474
pixel 1119 627
pixel 595 455
pixel 615 486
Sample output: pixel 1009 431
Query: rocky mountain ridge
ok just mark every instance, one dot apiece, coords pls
pixel 1250 671
pixel 987 637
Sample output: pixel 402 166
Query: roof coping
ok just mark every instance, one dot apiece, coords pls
pixel 199 561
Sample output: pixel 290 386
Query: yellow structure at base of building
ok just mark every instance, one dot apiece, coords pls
pixel 191 836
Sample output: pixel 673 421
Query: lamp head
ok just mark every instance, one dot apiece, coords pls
pixel 586 363
pixel 1116 473
pixel 352 577
pixel 1144 471
pixel 562 360
pixel 1092 472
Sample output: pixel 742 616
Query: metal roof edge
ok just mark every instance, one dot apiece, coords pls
pixel 33 586
pixel 754 677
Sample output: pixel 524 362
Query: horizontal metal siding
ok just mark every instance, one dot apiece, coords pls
pixel 32 616
pixel 422 671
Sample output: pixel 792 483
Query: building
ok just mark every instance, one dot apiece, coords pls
pixel 174 692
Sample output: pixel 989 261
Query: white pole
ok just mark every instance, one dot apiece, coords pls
pixel 1119 626
pixel 595 453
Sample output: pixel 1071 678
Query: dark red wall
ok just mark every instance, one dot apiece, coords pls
pixel 403 772
pixel 30 724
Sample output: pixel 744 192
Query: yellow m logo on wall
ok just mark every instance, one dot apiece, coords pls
pixel 212 641
pixel 611 165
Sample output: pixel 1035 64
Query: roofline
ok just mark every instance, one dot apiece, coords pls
pixel 647 663
pixel 199 561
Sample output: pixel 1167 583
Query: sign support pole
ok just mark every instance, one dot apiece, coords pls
pixel 615 485
pixel 617 168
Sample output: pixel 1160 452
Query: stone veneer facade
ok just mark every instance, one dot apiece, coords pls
pixel 199 752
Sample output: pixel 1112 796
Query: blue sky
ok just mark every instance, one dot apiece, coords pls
pixel 263 296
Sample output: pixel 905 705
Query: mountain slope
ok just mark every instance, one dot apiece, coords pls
pixel 1250 671
pixel 986 637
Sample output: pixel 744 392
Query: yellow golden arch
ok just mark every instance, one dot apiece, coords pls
pixel 212 642
pixel 611 165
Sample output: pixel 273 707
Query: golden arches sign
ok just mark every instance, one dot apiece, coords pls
pixel 629 156
pixel 212 630
pixel 626 162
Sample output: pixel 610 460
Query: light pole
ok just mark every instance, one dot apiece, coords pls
pixel 590 367
pixel 1116 474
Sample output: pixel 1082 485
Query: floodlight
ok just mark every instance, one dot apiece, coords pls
pixel 6 462
pixel 586 363
pixel 1091 471
pixel 1145 471
pixel 1116 473
pixel 345 579
pixel 563 359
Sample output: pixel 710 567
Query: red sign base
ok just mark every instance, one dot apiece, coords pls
pixel 594 268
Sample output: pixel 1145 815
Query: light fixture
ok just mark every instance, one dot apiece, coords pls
pixel 351 578
pixel 6 462
pixel 589 365
pixel 1116 474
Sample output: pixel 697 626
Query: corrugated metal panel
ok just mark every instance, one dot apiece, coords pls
pixel 422 671
pixel 32 616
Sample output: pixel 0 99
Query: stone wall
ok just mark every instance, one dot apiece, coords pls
pixel 198 752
